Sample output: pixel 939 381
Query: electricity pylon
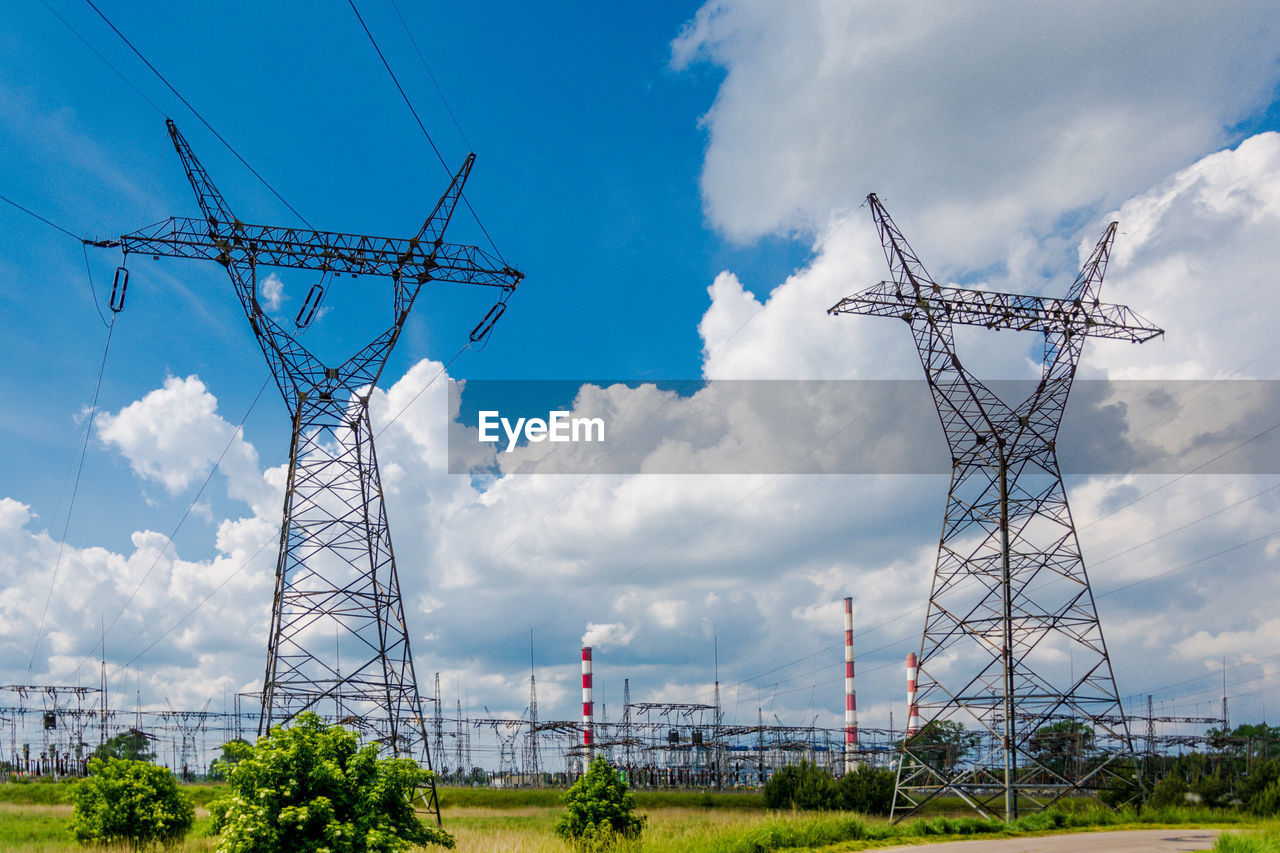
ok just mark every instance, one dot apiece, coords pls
pixel 1011 641
pixel 336 572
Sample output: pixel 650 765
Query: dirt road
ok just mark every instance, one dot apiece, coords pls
pixel 1127 841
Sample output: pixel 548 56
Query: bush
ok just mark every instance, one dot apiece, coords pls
pixel 599 809
pixel 801 786
pixel 1169 791
pixel 867 789
pixel 311 787
pixel 129 801
pixel 1266 803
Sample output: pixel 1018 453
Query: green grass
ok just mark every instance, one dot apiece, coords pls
pixel 1264 840
pixel 34 818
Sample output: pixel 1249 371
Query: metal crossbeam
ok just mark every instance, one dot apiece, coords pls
pixel 325 251
pixel 962 306
pixel 1012 649
pixel 338 639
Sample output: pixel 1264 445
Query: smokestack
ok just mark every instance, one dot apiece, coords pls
pixel 587 705
pixel 913 712
pixel 850 694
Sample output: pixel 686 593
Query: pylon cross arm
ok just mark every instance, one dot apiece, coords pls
pixel 991 310
pixel 328 251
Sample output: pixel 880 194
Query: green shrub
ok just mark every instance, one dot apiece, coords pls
pixel 1169 791
pixel 1267 801
pixel 801 786
pixel 311 787
pixel 867 790
pixel 134 802
pixel 599 809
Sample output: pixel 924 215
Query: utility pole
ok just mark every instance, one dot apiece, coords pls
pixel 1010 592
pixel 336 567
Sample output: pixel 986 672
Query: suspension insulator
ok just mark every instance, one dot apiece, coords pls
pixel 485 326
pixel 118 288
pixel 310 305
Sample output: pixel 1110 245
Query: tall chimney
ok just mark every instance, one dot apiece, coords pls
pixel 850 694
pixel 588 740
pixel 913 712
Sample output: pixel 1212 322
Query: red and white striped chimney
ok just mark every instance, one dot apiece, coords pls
pixel 850 694
pixel 588 709
pixel 913 712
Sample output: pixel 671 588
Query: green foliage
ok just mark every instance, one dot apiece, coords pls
pixel 129 801
pixel 944 744
pixel 800 786
pixel 599 809
pixel 1169 791
pixel 233 752
pixel 1260 790
pixel 132 745
pixel 1261 841
pixel 1266 802
pixel 1057 744
pixel 311 787
pixel 867 789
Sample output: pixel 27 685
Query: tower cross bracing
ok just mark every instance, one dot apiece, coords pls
pixel 1011 642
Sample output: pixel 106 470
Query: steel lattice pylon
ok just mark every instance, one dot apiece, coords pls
pixel 336 581
pixel 1011 641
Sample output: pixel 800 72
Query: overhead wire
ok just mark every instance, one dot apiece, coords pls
pixel 387 65
pixel 53 579
pixel 181 521
pixel 198 114
pixel 430 76
pixel 105 61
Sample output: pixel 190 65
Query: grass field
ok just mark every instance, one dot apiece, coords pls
pixel 34 817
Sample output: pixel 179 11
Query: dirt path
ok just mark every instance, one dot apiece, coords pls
pixel 1127 841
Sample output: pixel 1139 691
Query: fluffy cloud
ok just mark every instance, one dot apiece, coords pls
pixel 1191 255
pixel 174 436
pixel 990 119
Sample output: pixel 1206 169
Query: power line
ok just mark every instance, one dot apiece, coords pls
pixel 53 580
pixel 48 222
pixel 422 126
pixel 430 76
pixel 105 61
pixel 190 506
pixel 197 114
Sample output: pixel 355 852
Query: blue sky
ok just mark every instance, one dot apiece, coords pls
pixel 680 185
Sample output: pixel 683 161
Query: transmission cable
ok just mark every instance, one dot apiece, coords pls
pixel 198 115
pixel 53 580
pixel 105 61
pixel 422 126
pixel 190 507
pixel 430 76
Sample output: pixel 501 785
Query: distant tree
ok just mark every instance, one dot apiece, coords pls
pixel 134 802
pixel 599 809
pixel 801 786
pixel 1058 743
pixel 867 789
pixel 132 745
pixel 1169 791
pixel 311 787
pixel 944 744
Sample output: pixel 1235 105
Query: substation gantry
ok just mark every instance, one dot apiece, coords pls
pixel 336 571
pixel 1011 641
